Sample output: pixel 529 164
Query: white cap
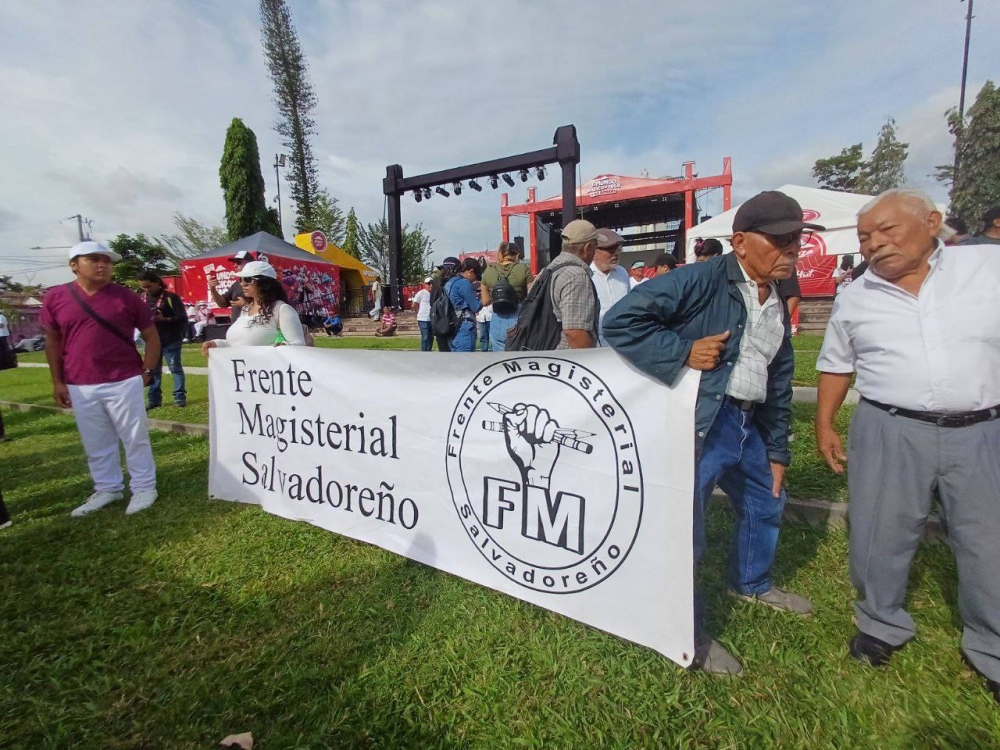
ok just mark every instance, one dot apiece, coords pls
pixel 89 247
pixel 638 264
pixel 429 280
pixel 258 268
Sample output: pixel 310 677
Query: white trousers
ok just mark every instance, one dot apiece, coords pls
pixel 106 414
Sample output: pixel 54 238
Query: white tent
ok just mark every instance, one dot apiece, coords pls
pixel 838 212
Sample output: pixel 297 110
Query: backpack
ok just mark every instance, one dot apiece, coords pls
pixel 537 328
pixel 503 293
pixel 444 318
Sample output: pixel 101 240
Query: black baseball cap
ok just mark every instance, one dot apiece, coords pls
pixel 771 212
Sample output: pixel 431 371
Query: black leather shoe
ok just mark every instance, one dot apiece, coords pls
pixel 871 650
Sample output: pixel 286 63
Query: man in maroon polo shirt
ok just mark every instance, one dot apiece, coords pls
pixel 96 368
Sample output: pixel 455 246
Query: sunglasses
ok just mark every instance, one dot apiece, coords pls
pixel 781 241
pixel 249 279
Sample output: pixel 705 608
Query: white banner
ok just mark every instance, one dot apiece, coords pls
pixel 561 478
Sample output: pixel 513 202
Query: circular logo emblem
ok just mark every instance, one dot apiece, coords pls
pixel 318 240
pixel 544 473
pixel 809 215
pixel 812 244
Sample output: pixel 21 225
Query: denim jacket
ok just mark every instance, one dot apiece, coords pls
pixel 655 325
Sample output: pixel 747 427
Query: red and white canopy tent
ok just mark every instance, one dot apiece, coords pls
pixel 836 211
pixel 663 209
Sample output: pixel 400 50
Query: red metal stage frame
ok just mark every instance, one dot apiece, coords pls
pixel 647 188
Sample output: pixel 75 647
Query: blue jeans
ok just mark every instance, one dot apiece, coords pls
pixel 465 339
pixel 426 335
pixel 171 353
pixel 733 456
pixel 499 326
pixel 484 336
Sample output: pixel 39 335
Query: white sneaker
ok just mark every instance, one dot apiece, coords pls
pixel 140 501
pixel 96 501
pixel 6 525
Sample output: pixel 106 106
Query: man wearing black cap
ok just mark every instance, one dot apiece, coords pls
pixel 724 316
pixel 664 263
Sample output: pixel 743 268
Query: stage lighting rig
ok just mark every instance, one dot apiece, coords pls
pixel 524 175
pixel 456 188
pixel 493 181
pixel 418 195
pixel 508 179
pixel 427 193
pixel 540 172
pixel 441 191
pixel 475 186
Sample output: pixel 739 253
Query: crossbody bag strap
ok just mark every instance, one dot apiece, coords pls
pixel 97 318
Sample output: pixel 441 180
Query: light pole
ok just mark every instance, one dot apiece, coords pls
pixel 961 96
pixel 279 161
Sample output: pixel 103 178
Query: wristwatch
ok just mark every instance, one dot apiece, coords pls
pixel 151 373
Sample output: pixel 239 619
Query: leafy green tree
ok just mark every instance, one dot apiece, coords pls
pixel 976 185
pixel 243 185
pixel 295 99
pixel 841 172
pixel 328 217
pixel 850 173
pixel 350 245
pixel 885 169
pixel 192 238
pixel 139 253
pixel 373 245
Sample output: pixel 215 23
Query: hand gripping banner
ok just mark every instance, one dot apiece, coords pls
pixel 561 478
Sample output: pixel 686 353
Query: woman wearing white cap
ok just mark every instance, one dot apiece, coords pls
pixel 267 317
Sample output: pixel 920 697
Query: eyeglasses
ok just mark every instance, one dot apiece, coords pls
pixel 781 241
pixel 249 279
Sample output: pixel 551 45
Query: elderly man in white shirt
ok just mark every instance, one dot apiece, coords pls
pixel 610 280
pixel 921 330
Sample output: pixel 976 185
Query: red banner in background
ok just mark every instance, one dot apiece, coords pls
pixel 815 274
pixel 313 288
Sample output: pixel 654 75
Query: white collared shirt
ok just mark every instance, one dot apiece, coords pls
pixel 760 342
pixel 939 351
pixel 611 287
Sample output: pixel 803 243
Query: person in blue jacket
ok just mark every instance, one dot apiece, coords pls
pixel 466 302
pixel 725 318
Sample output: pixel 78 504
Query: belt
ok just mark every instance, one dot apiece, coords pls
pixel 740 404
pixel 940 418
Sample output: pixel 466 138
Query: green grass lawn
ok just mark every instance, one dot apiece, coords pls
pixel 198 618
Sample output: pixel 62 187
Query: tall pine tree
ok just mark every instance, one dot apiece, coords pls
pixel 351 235
pixel 294 97
pixel 976 187
pixel 243 185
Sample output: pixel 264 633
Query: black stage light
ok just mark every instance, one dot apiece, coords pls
pixel 427 193
pixel 524 175
pixel 441 191
pixel 418 195
pixel 540 172
pixel 493 181
pixel 475 186
pixel 508 179
pixel 457 188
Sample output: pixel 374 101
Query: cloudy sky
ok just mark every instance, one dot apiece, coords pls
pixel 118 110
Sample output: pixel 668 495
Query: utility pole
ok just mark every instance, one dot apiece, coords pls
pixel 961 97
pixel 79 225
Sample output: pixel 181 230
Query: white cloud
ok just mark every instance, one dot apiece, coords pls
pixel 119 110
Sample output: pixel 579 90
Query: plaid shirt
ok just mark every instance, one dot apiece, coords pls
pixel 574 299
pixel 760 343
